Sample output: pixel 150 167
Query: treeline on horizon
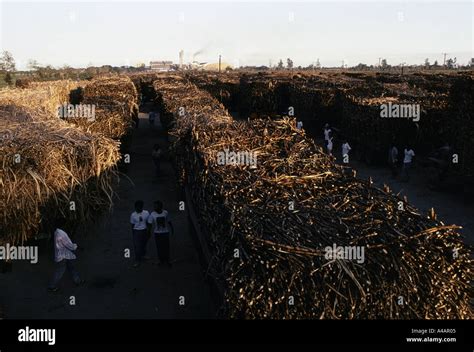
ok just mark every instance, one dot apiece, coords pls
pixel 9 76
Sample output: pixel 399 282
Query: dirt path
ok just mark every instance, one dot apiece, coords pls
pixel 114 289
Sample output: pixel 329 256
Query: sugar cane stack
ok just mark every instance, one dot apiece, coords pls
pixel 49 160
pixel 44 96
pixel 115 102
pixel 46 164
pixel 269 225
pixel 351 102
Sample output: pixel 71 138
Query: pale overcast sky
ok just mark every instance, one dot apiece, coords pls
pixel 245 33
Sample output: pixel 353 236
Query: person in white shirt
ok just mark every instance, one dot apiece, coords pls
pixel 139 231
pixel 160 225
pixel 63 257
pixel 299 125
pixel 407 163
pixel 327 133
pixel 346 148
pixel 329 145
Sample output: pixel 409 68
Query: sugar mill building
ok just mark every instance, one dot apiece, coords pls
pixel 161 65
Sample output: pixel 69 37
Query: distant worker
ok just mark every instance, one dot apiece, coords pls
pixel 139 231
pixel 299 125
pixel 346 148
pixel 329 146
pixel 393 159
pixel 156 156
pixel 151 118
pixel 160 225
pixel 327 133
pixel 407 163
pixel 63 257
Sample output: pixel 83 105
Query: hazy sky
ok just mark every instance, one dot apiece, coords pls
pixel 245 33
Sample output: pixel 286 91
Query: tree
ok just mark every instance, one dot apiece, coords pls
pixel 33 65
pixel 280 65
pixel 7 63
pixel 66 72
pixel 384 63
pixel 289 63
pixel 427 63
pixel 8 79
pixel 361 67
pixel 436 63
pixel 450 63
pixel 46 72
pixel 91 72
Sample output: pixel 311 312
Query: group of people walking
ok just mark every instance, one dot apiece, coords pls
pixel 144 225
pixel 393 157
pixel 393 160
pixel 328 143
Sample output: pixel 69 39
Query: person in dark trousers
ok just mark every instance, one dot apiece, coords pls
pixel 139 231
pixel 393 160
pixel 63 257
pixel 160 225
pixel 151 118
pixel 156 156
pixel 407 163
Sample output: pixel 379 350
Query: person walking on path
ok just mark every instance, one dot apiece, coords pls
pixel 160 225
pixel 329 146
pixel 63 257
pixel 156 155
pixel 407 164
pixel 346 148
pixel 139 231
pixel 327 132
pixel 393 159
pixel 151 118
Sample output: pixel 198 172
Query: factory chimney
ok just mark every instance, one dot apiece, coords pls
pixel 181 58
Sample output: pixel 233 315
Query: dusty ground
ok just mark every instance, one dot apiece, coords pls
pixel 114 289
